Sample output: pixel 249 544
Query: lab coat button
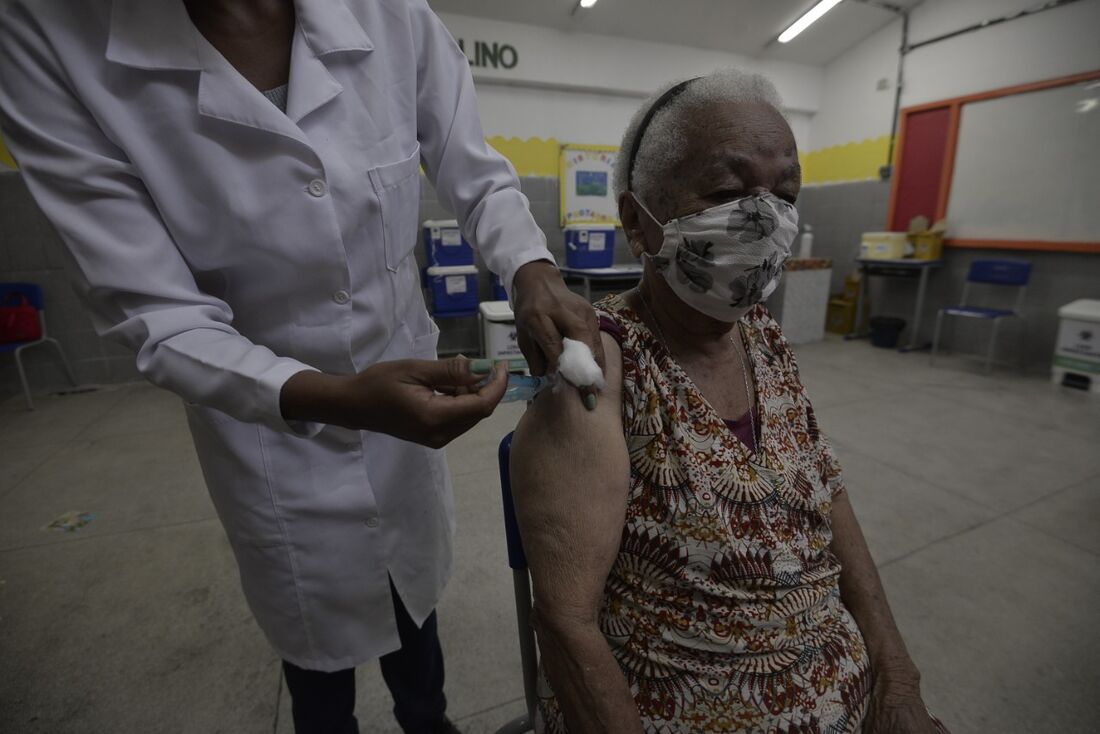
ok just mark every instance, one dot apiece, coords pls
pixel 372 522
pixel 341 297
pixel 317 187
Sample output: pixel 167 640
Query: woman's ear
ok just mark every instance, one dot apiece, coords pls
pixel 634 223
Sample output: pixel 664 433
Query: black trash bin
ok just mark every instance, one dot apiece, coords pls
pixel 885 331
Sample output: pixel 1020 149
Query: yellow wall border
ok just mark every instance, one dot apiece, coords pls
pixel 530 157
pixel 856 161
pixel 5 156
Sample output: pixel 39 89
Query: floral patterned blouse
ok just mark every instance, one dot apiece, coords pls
pixel 723 607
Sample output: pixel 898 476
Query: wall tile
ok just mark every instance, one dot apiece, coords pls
pixel 534 188
pixel 78 345
pixel 838 213
pixel 122 369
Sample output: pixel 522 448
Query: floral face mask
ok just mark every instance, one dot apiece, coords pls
pixel 724 260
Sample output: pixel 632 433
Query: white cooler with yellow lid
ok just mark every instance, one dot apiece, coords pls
pixel 884 245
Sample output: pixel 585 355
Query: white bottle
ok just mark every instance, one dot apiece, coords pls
pixel 806 243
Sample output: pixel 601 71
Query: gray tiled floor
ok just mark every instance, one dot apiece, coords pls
pixel 979 496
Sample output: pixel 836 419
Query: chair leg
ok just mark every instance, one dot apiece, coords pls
pixel 528 649
pixel 519 725
pixel 992 346
pixel 64 362
pixel 23 377
pixel 1023 346
pixel 936 339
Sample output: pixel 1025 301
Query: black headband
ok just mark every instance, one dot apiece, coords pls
pixel 661 102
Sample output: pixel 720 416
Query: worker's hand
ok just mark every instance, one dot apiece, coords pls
pixel 424 401
pixel 547 311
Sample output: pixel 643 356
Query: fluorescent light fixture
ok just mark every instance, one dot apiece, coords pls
pixel 587 3
pixel 805 21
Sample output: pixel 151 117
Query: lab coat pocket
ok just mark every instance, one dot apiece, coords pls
pixel 397 186
pixel 425 346
pixel 230 454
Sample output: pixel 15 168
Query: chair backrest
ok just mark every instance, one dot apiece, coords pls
pixel 999 272
pixel 516 558
pixel 31 291
pixel 521 581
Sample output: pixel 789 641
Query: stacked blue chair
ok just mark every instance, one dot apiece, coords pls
pixel 33 295
pixel 10 292
pixel 521 583
pixel 1000 273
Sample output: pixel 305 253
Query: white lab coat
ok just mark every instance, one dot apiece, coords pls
pixel 231 246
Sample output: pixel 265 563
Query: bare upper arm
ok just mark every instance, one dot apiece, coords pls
pixel 570 481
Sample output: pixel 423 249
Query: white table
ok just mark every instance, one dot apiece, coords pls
pixel 908 268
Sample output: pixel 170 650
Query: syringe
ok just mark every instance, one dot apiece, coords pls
pixel 520 387
pixel 523 387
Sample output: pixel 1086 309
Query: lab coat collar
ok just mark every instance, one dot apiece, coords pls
pixel 158 34
pixel 329 26
pixel 152 34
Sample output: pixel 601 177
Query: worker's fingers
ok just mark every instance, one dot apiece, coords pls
pixel 536 360
pixel 548 340
pixel 494 390
pixel 454 415
pixel 585 328
pixel 443 373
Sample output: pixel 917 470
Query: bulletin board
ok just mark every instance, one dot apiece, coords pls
pixel 1015 168
pixel 584 179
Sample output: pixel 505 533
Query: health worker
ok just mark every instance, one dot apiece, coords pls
pixel 237 185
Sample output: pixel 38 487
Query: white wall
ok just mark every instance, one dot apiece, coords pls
pixel 1054 43
pixel 583 88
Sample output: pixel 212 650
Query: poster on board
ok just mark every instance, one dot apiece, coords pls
pixel 585 183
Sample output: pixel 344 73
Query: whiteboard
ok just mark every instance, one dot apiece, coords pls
pixel 585 174
pixel 1027 167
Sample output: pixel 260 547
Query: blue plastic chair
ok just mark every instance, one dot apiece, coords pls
pixel 33 294
pixel 1001 273
pixel 521 583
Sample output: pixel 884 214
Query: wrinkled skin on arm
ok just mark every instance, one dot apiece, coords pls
pixel 896 706
pixel 570 481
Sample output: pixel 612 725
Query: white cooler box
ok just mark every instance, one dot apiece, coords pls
pixel 1077 353
pixel 498 331
pixel 884 245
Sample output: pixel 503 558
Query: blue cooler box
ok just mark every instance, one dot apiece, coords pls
pixel 444 243
pixel 589 245
pixel 454 288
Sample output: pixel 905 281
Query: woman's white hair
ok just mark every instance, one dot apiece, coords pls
pixel 665 140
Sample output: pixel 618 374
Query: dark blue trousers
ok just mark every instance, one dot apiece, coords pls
pixel 324 703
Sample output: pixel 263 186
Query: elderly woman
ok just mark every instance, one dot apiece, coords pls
pixel 696 563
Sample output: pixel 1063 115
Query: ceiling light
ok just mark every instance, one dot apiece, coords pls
pixel 587 3
pixel 804 22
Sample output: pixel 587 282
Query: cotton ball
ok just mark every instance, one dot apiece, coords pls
pixel 577 365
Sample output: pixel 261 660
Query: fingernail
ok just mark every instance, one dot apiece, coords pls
pixel 590 401
pixel 481 366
